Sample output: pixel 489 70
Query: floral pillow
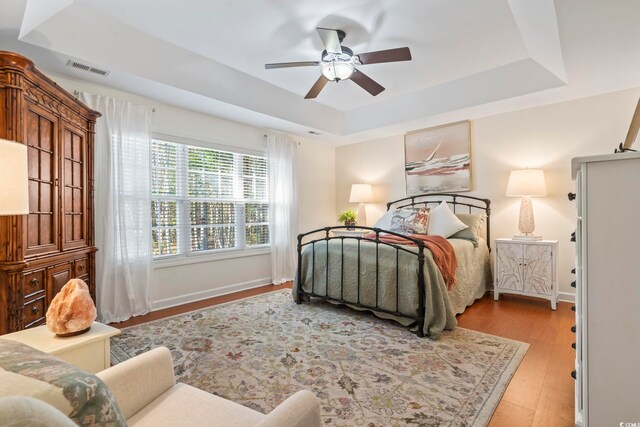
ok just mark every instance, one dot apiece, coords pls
pixel 410 221
pixel 83 397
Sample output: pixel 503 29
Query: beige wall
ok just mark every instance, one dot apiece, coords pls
pixel 176 283
pixel 544 137
pixel 316 184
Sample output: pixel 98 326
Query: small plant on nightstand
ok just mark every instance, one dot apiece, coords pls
pixel 348 218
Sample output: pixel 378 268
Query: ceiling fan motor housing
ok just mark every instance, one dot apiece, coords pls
pixel 345 56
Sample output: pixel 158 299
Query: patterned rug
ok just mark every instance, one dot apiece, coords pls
pixel 366 371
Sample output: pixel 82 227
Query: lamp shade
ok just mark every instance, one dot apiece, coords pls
pixel 14 179
pixel 360 193
pixel 526 182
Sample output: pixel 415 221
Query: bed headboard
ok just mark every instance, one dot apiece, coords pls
pixel 460 203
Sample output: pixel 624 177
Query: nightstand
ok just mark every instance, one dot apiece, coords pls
pixel 89 351
pixel 349 233
pixel 526 268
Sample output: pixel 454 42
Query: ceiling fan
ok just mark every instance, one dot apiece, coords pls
pixel 339 63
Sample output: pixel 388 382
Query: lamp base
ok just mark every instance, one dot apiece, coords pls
pixel 362 215
pixel 527 237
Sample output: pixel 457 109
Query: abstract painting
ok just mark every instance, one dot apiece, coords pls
pixel 438 159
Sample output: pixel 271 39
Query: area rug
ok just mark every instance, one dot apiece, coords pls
pixel 366 371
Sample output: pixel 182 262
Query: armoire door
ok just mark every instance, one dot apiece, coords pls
pixel 74 188
pixel 41 233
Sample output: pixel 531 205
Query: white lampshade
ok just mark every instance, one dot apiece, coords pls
pixel 360 193
pixel 14 179
pixel 526 182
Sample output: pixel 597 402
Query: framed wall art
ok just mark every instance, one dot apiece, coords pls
pixel 438 159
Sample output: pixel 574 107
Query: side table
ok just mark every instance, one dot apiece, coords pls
pixel 89 351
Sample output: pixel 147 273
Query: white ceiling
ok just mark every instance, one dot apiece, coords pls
pixel 448 41
pixel 469 58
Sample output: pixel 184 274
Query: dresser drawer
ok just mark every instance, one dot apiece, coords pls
pixel 80 267
pixel 33 283
pixel 34 312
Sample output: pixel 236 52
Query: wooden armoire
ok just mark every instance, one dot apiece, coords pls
pixel 41 251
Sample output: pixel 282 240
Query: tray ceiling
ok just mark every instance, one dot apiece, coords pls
pixel 210 55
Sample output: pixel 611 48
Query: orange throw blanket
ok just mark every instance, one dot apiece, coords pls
pixel 441 249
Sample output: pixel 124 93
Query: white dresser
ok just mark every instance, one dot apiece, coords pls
pixel 526 267
pixel 607 369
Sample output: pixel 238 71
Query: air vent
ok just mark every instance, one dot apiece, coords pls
pixel 85 67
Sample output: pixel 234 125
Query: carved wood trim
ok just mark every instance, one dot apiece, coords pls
pixel 43 99
pixel 16 63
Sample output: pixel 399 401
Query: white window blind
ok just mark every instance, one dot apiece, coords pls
pixel 206 199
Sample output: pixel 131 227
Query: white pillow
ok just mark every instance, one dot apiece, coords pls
pixel 385 220
pixel 443 222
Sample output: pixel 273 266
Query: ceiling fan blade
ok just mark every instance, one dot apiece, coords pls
pixel 389 55
pixel 330 39
pixel 292 64
pixel 317 87
pixel 366 82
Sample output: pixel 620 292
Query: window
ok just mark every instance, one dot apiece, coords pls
pixel 207 200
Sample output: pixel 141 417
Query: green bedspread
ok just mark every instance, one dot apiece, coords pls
pixel 441 305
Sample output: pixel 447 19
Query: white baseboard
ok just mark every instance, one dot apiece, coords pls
pixel 566 296
pixel 209 293
pixel 562 296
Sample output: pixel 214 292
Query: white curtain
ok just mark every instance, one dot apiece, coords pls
pixel 283 218
pixel 122 208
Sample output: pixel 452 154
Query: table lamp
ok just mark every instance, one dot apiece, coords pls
pixel 14 179
pixel 361 193
pixel 526 183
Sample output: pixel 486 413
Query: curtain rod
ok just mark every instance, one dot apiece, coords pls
pixel 76 93
pixel 297 142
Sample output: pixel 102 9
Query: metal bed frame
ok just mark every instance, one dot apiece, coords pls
pixel 424 200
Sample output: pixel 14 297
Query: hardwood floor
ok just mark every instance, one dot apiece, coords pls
pixel 541 391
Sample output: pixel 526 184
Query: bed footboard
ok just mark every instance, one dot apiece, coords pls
pixel 325 236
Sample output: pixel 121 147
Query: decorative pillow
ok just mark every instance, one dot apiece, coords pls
pixel 443 222
pixel 474 223
pixel 410 221
pixel 25 371
pixel 385 220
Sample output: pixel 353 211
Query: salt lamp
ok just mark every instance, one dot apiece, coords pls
pixel 72 310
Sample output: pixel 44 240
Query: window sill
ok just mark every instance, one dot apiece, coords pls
pixel 175 261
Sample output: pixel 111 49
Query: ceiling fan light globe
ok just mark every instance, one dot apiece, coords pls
pixel 336 71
